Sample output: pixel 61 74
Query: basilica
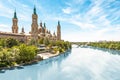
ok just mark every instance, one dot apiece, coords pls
pixel 37 31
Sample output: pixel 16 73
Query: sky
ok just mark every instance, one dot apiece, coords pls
pixel 81 20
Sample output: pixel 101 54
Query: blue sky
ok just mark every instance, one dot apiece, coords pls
pixel 81 20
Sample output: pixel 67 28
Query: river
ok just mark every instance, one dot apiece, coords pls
pixel 77 64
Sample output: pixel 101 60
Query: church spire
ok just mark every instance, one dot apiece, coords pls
pixel 54 33
pixel 22 31
pixel 34 26
pixel 44 25
pixel 58 23
pixel 41 24
pixel 15 15
pixel 34 11
pixel 15 23
pixel 58 31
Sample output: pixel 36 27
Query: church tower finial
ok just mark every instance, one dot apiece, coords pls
pixel 22 31
pixel 41 24
pixel 34 11
pixel 15 15
pixel 44 25
pixel 59 23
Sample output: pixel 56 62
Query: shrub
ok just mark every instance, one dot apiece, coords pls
pixel 2 42
pixel 1 48
pixel 10 42
pixel 27 53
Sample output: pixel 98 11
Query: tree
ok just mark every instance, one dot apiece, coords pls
pixel 32 42
pixel 10 42
pixel 5 56
pixel 52 43
pixel 46 41
pixel 41 40
pixel 27 53
pixel 2 42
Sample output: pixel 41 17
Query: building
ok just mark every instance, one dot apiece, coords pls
pixel 58 31
pixel 37 30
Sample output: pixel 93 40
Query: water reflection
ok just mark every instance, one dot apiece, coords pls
pixel 79 64
pixel 104 49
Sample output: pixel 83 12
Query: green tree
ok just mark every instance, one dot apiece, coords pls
pixel 5 56
pixel 41 40
pixel 27 53
pixel 46 41
pixel 10 42
pixel 32 42
pixel 2 42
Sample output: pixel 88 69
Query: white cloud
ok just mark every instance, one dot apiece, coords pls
pixel 5 11
pixel 67 10
pixel 4 28
pixel 3 25
pixel 91 36
pixel 24 17
pixel 82 24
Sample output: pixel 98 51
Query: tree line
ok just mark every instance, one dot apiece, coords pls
pixel 115 45
pixel 14 52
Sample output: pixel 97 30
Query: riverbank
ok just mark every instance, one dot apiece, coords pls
pixel 23 54
pixel 39 57
pixel 114 45
pixel 47 55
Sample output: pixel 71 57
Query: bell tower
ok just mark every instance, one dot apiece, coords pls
pixel 15 23
pixel 34 25
pixel 58 31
